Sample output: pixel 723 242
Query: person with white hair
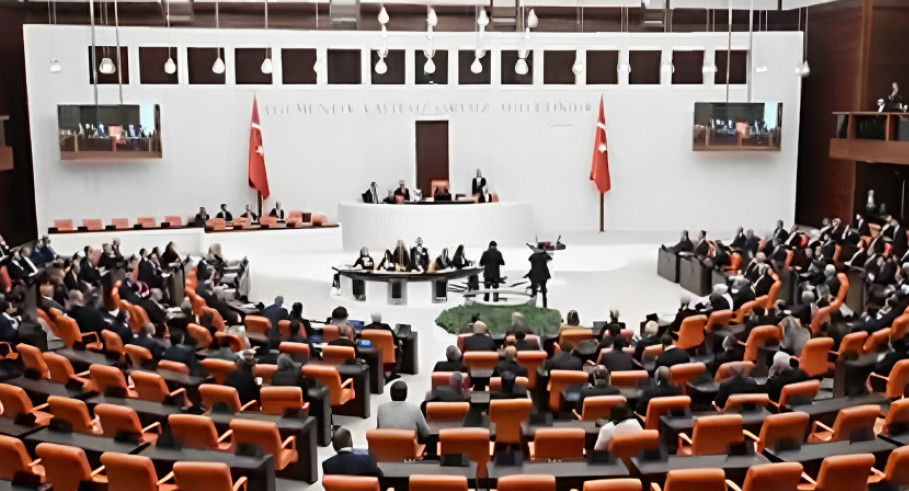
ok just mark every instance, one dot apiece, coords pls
pixel 794 335
pixel 660 387
pixel 452 361
pixel 781 373
pixel 764 282
pixel 480 339
pixel 831 279
pixel 719 298
pixel 650 335
pixel 377 323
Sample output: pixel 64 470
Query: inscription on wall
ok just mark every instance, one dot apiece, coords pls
pixel 425 108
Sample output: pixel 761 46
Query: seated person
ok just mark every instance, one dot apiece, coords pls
pixel 288 373
pixel 242 378
pixel 510 364
pixel 185 353
pixel 460 261
pixel 225 214
pixel 346 337
pixel 597 386
pixel 442 194
pixel 518 324
pixel 564 360
pixel 523 343
pixel 401 414
pixel 402 192
pixel 250 214
pixel 621 421
pixel 348 460
pixel 737 384
pixel 671 355
pixel 457 390
pixel 365 260
pixel 650 334
pixel 781 373
pixel 146 339
pixel 480 340
pixel 683 245
pixel 201 217
pixel 277 211
pixel 660 387
pixel 730 353
pixel 9 324
pixel 452 361
pixel 616 359
pixel 509 388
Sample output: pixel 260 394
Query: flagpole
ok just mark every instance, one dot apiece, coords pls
pixel 259 196
pixel 602 213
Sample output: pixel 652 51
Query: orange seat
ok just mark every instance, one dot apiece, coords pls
pixel 447 411
pixel 113 345
pixel 440 379
pixel 784 430
pixel 682 373
pixel 337 355
pixel 210 476
pixel 575 335
pixel 507 415
pixel 61 370
pixel 531 360
pixel 877 341
pixel 265 434
pixel 151 387
pixel 233 341
pixel 265 372
pixel 779 476
pixel 383 340
pixel 75 413
pixel 339 393
pixel 257 324
pixel 736 402
pixel 630 444
pixel 472 442
pixel 896 381
pixel 138 356
pixel 68 332
pixel 173 221
pixel 759 337
pixel 848 420
pixel 658 406
pixel 301 349
pixel 480 360
pixel 351 483
pixel 557 444
pixel 329 333
pixel 596 407
pixel 436 482
pixel 394 445
pixel 629 378
pixel 897 419
pixel 896 472
pixel 899 328
pixel 120 223
pixel 744 311
pixel 623 484
pixel 147 222
pixel 201 335
pixel 66 468
pixel 712 435
pixel 16 461
pixel 218 369
pixel 213 394
pixel 281 400
pixel 17 406
pixel 198 432
pixel 804 390
pixel 727 370
pixel 718 318
pixel 559 380
pixel 123 422
pixel 694 480
pixel 842 473
pixel 691 332
pixel 813 359
pixel 65 225
pixel 33 363
pixel 526 482
pixel 173 366
pixel 132 473
pixel 108 380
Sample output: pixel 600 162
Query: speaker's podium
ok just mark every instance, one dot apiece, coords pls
pixel 399 288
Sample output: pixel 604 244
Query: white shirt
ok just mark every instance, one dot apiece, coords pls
pixel 608 430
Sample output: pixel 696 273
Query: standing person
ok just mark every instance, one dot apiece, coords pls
pixel 539 273
pixel 492 260
pixel 478 183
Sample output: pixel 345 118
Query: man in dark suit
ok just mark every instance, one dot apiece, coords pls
pixel 539 273
pixel 288 373
pixel 598 386
pixel 7 322
pixel 738 384
pixel 276 312
pixel 492 261
pixel 250 214
pixel 452 361
pixel 742 292
pixel 671 355
pixel 659 388
pixel 201 217
pixel 371 195
pixel 88 318
pixel 224 213
pixel 617 360
pixel 510 364
pixel 480 340
pixel 377 323
pixel 348 460
pixel 478 184
pixel 402 191
pixel 185 353
pixel 146 340
pixel 521 343
pixel 346 337
pixel 242 378
pixel 564 360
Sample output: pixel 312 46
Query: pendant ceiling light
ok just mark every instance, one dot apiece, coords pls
pixel 431 18
pixel 218 66
pixel 267 68
pixel 521 67
pixel 170 67
pixel 381 66
pixel 532 20
pixel 476 67
pixel 383 16
pixel 54 66
pixel 803 69
pixel 482 18
pixel 106 66
pixel 578 67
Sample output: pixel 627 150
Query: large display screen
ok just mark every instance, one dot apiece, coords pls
pixel 737 125
pixel 109 132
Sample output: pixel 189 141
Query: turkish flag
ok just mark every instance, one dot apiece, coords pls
pixel 258 178
pixel 599 167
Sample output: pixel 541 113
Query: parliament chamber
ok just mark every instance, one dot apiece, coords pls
pixel 608 245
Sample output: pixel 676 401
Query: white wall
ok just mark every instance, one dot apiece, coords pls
pixel 316 160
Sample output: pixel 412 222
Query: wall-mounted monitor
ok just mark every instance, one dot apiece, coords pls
pixel 109 132
pixel 737 126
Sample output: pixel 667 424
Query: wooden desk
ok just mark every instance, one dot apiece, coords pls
pixel 569 475
pixel 826 410
pixel 397 474
pixel 671 426
pixel 9 427
pixel 81 360
pixel 811 456
pixel 259 470
pixel 39 390
pixel 149 412
pixel 93 446
pixel 303 428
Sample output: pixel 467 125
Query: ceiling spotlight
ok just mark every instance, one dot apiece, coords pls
pixel 55 66
pixel 383 16
pixel 476 67
pixel 709 67
pixel 431 18
pixel 578 67
pixel 521 67
pixel 429 67
pixel 169 66
pixel 483 19
pixel 666 66
pixel 267 66
pixel 624 67
pixel 532 20
pixel 803 70
pixel 218 66
pixel 107 66
pixel 381 67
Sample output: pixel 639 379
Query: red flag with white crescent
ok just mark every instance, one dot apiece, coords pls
pixel 599 167
pixel 258 178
